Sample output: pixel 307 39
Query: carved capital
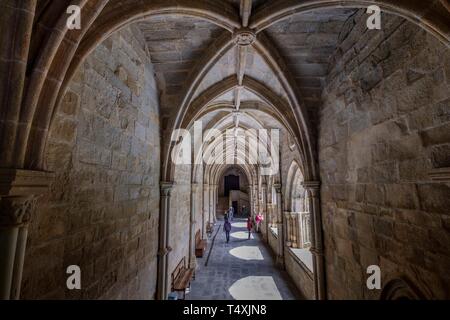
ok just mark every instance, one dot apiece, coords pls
pixel 244 37
pixel 19 191
pixel 164 251
pixel 166 188
pixel 313 187
pixel 15 211
pixel 316 251
pixel 277 187
pixel 440 174
pixel 196 187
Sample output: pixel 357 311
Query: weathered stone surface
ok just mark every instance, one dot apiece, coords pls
pixel 381 126
pixel 397 217
pixel 99 213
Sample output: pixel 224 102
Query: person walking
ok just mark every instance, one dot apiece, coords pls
pixel 225 215
pixel 249 227
pixel 258 220
pixel 227 229
pixel 231 213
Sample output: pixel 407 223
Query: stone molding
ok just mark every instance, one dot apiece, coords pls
pixel 440 174
pixel 164 251
pixel 19 191
pixel 166 188
pixel 277 187
pixel 19 182
pixel 311 185
pixel 15 211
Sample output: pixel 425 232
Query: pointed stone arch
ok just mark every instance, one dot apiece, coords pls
pixel 433 16
pixel 401 289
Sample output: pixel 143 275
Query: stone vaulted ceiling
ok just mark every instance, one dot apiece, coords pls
pixel 303 42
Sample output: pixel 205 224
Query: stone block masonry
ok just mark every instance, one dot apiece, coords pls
pixel 383 127
pixel 103 209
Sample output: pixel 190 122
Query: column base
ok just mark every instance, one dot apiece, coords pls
pixel 280 262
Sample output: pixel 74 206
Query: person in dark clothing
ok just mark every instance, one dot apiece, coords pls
pixel 227 229
pixel 225 215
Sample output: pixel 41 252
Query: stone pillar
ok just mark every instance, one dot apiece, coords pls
pixel 215 198
pixel 19 191
pixel 14 53
pixel 163 286
pixel 263 208
pixel 205 206
pixel 211 203
pixel 313 188
pixel 255 200
pixel 286 228
pixel 293 232
pixel 193 225
pixel 279 223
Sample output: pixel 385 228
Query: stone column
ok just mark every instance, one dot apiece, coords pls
pixel 255 200
pixel 293 232
pixel 313 188
pixel 211 203
pixel 287 228
pixel 263 208
pixel 193 231
pixel 205 206
pixel 19 191
pixel 215 198
pixel 163 286
pixel 280 224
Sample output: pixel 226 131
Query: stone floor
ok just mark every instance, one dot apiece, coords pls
pixel 240 270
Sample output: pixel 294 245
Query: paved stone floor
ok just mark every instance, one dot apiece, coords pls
pixel 241 270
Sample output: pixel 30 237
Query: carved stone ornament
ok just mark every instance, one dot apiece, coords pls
pixel 244 37
pixel 16 210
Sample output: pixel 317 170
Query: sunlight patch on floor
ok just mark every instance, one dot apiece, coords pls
pixel 247 253
pixel 255 288
pixel 239 224
pixel 241 235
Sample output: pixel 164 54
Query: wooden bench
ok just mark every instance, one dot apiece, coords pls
pixel 200 245
pixel 181 277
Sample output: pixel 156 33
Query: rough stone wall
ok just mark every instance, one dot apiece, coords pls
pixel 302 278
pixel 384 125
pixel 102 211
pixel 180 216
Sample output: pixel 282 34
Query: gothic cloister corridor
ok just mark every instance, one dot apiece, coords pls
pixel 131 129
pixel 242 269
